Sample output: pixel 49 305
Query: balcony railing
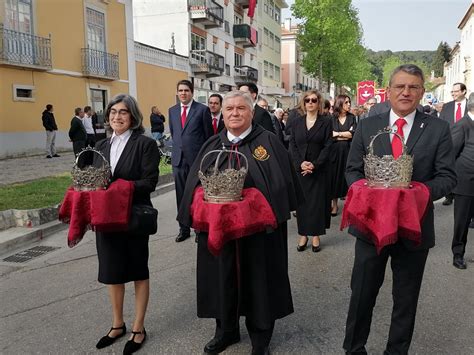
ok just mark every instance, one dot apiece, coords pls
pixel 243 3
pixel 245 35
pixel 206 63
pixel 24 50
pixel 100 64
pixel 207 12
pixel 246 73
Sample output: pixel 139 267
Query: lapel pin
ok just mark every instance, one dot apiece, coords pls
pixel 422 125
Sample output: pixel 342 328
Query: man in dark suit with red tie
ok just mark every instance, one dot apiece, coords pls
pixel 452 112
pixel 429 141
pixel 190 126
pixel 215 106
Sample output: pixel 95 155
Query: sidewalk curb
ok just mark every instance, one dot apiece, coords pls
pixel 20 237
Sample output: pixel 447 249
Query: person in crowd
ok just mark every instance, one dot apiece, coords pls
pixel 343 127
pixel 190 126
pixel 310 146
pixel 452 112
pixel 326 107
pixel 261 115
pixel 438 107
pixel 123 256
pixel 369 103
pixel 284 119
pixel 98 123
pixel 293 115
pixel 429 142
pixel 88 125
pixel 263 103
pixel 77 132
pixel 463 140
pixel 157 122
pixel 215 106
pixel 280 127
pixel 49 124
pixel 250 275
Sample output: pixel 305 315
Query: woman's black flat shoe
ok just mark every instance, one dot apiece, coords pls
pixel 316 248
pixel 302 247
pixel 131 346
pixel 106 340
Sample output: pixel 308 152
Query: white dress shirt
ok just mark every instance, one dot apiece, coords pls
pixel 87 122
pixel 244 134
pixel 410 118
pixel 188 106
pixel 471 115
pixel 117 144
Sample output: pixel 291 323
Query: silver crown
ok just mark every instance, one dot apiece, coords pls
pixel 386 171
pixel 221 186
pixel 91 178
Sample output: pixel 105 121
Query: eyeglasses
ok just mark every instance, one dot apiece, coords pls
pixel 308 100
pixel 410 88
pixel 121 112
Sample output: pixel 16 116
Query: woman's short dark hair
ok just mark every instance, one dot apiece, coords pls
pixel 132 106
pixel 338 103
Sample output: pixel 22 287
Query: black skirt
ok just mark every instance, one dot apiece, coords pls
pixel 123 257
pixel 339 154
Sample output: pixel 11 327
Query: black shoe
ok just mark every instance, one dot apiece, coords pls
pixel 261 350
pixel 56 156
pixel 471 225
pixel 459 262
pixel 130 346
pixel 182 236
pixel 316 249
pixel 447 201
pixel 302 247
pixel 106 340
pixel 49 156
pixel 218 345
pixel 196 239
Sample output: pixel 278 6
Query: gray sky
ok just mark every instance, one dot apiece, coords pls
pixel 408 24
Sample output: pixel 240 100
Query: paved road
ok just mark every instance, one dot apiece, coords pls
pixel 54 305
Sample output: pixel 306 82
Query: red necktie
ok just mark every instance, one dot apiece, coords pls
pixel 458 112
pixel 397 146
pixel 183 116
pixel 214 124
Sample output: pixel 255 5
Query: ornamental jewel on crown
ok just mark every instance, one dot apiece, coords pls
pixel 386 171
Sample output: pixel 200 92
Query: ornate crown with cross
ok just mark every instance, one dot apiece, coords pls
pixel 91 178
pixel 386 171
pixel 223 184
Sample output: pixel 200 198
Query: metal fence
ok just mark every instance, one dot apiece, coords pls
pixel 100 64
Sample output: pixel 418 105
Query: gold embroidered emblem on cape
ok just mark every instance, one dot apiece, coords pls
pixel 260 153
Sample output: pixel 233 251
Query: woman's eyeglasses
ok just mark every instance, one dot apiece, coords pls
pixel 307 101
pixel 121 112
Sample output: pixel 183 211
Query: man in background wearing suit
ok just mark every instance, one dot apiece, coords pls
pixel 429 142
pixel 190 126
pixel 77 132
pixel 215 106
pixel 263 103
pixel 463 141
pixel 260 116
pixel 452 112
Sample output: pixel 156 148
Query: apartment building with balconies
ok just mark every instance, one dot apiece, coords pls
pixel 65 53
pixel 218 36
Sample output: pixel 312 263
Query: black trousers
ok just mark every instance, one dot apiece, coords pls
pixel 77 146
pixel 180 174
pixel 463 212
pixel 367 278
pixel 259 337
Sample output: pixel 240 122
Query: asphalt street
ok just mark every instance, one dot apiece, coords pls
pixel 53 304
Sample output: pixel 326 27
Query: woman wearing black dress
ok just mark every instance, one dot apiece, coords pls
pixel 343 126
pixel 123 256
pixel 310 144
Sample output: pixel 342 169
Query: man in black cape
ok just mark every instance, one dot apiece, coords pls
pixel 250 275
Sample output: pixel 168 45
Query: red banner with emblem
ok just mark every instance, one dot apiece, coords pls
pixel 381 95
pixel 365 89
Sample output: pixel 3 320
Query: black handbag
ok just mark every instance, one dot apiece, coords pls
pixel 143 220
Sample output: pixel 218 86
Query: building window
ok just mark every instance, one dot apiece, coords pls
pixel 265 6
pixel 18 16
pixel 265 36
pixel 271 6
pixel 198 47
pixel 95 30
pixel 270 71
pixel 277 14
pixel 271 42
pixel 277 45
pixel 265 69
pixel 226 27
pixel 23 93
pixel 238 20
pixel 277 73
pixel 227 69
pixel 238 59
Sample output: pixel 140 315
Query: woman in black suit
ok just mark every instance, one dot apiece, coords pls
pixel 310 144
pixel 123 256
pixel 343 125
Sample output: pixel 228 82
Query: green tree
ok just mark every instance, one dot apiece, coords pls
pixel 389 64
pixel 442 55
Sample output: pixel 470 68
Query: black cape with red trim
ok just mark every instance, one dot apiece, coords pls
pixel 263 292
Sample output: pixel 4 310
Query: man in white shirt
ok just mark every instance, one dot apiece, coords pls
pixel 87 122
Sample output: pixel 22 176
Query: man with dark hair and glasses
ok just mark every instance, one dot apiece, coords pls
pixel 428 140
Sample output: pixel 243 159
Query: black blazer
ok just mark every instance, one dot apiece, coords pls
pixel 313 145
pixel 220 124
pixel 77 132
pixel 138 163
pixel 447 113
pixel 263 118
pixel 431 146
pixel 188 141
pixel 463 141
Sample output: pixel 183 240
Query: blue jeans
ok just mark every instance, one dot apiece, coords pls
pixel 157 135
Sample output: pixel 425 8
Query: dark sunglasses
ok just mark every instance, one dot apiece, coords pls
pixel 314 101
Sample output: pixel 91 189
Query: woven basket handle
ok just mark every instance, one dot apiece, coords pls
pixel 387 130
pixel 224 150
pixel 90 149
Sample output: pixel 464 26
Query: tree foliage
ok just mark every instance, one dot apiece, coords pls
pixel 331 38
pixel 442 55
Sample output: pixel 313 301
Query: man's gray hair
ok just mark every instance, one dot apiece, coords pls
pixel 409 69
pixel 470 103
pixel 236 93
